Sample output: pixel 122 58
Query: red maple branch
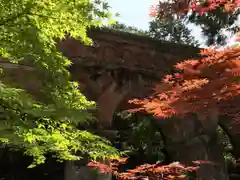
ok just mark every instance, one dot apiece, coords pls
pixel 201 6
pixel 150 171
pixel 202 85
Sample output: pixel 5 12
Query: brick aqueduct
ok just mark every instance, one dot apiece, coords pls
pixel 117 67
pixel 120 66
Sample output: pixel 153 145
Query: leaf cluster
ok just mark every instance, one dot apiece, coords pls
pixel 129 29
pixel 173 30
pixel 146 171
pixel 29 32
pixel 214 17
pixel 140 135
pixel 199 85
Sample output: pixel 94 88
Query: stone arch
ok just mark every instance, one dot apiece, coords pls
pixel 108 102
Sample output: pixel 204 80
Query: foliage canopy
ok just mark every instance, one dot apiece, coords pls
pixel 29 31
pixel 214 17
pixel 199 85
pixel 173 30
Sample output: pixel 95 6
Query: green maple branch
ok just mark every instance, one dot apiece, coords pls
pixel 16 16
pixel 12 19
pixel 26 11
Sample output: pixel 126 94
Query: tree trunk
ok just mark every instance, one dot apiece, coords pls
pixel 233 132
pixel 187 140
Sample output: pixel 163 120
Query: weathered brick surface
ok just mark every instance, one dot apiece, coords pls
pixel 115 50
